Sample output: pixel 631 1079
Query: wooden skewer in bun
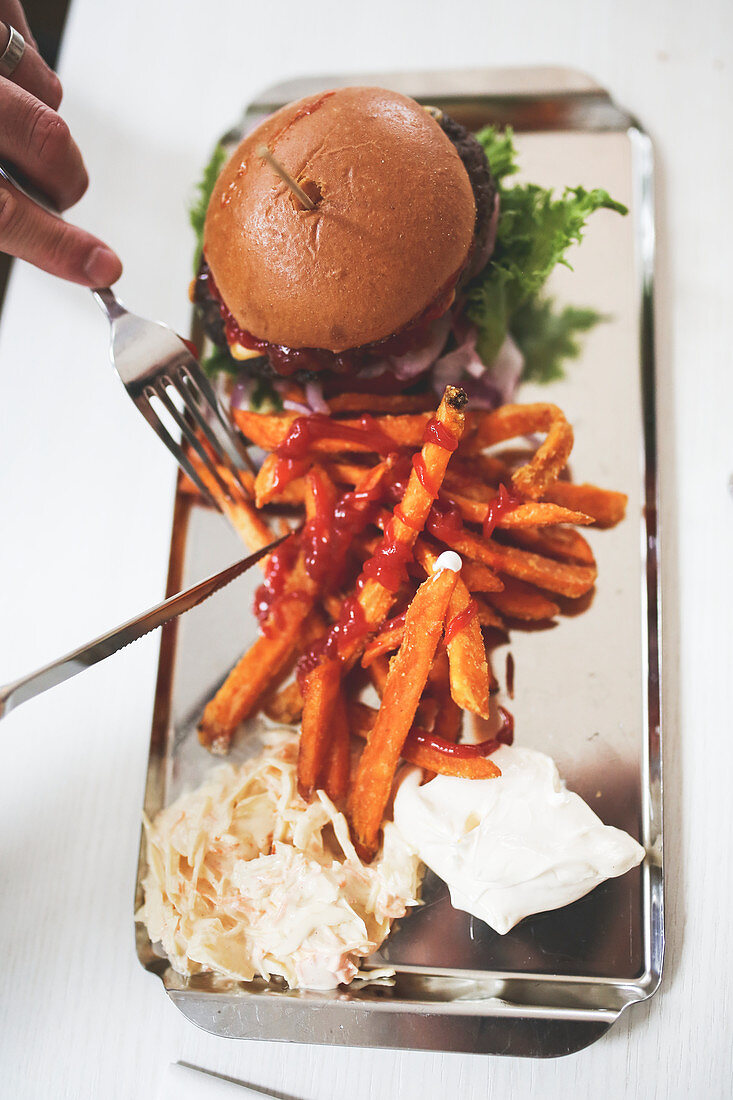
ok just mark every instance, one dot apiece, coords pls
pixel 268 156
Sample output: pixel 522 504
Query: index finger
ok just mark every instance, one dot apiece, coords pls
pixel 11 11
pixel 32 72
pixel 38 142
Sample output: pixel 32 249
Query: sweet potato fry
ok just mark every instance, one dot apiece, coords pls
pixel 480 470
pixel 246 478
pixel 285 705
pixel 432 753
pixel 271 485
pixel 320 494
pixel 251 527
pixel 390 637
pixel 332 606
pixel 345 473
pixel 479 578
pixel 469 485
pixel 605 506
pixel 509 421
pixel 244 517
pixel 530 514
pixel 376 597
pixel 488 618
pixel 561 543
pixel 407 677
pixel 361 718
pixel 258 669
pixel 554 576
pixel 266 430
pixel 469 673
pixel 522 601
pixel 387 640
pixel 269 431
pixel 381 403
pixel 321 688
pixel 448 718
pixel 338 764
pixel 245 685
pixel 378 672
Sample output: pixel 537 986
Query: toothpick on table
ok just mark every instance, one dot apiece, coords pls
pixel 265 153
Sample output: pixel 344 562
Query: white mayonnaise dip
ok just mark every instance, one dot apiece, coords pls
pixel 511 846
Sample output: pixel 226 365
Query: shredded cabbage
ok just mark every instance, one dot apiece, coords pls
pixel 246 878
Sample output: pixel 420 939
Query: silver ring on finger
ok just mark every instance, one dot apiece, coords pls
pixel 13 52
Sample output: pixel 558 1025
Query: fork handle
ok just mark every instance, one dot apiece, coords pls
pixel 108 302
pixel 10 173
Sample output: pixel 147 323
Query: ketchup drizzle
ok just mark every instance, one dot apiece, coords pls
pixel 458 750
pixel 437 432
pixel 460 622
pixel 269 595
pixel 329 535
pixel 287 361
pixel 388 564
pixel 504 501
pixel 444 521
pixel 420 468
pixel 400 515
pixel 350 625
pixel 307 430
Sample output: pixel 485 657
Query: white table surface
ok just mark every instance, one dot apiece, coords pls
pixel 86 497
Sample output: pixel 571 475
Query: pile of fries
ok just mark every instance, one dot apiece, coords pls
pixel 380 488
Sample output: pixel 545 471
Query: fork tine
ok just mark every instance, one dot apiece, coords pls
pixel 160 391
pixel 227 438
pixel 197 405
pixel 176 450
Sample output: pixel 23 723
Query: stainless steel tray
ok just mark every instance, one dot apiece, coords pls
pixel 587 691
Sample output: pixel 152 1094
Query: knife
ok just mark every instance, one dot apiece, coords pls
pixel 12 695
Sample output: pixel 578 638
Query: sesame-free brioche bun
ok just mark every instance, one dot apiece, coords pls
pixel 392 228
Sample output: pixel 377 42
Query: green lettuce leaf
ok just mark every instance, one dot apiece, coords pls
pixel 534 233
pixel 220 361
pixel 265 398
pixel 197 211
pixel 547 336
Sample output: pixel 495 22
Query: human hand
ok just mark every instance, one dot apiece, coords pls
pixel 37 141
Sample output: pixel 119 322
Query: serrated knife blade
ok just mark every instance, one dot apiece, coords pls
pixel 12 695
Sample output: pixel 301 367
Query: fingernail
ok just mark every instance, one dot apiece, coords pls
pixel 103 267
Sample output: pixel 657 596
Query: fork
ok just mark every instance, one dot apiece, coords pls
pixel 155 365
pixel 158 369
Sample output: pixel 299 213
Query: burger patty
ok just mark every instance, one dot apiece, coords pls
pixel 484 189
pixel 305 363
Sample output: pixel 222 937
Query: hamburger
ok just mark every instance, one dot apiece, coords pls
pixel 412 261
pixel 360 286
